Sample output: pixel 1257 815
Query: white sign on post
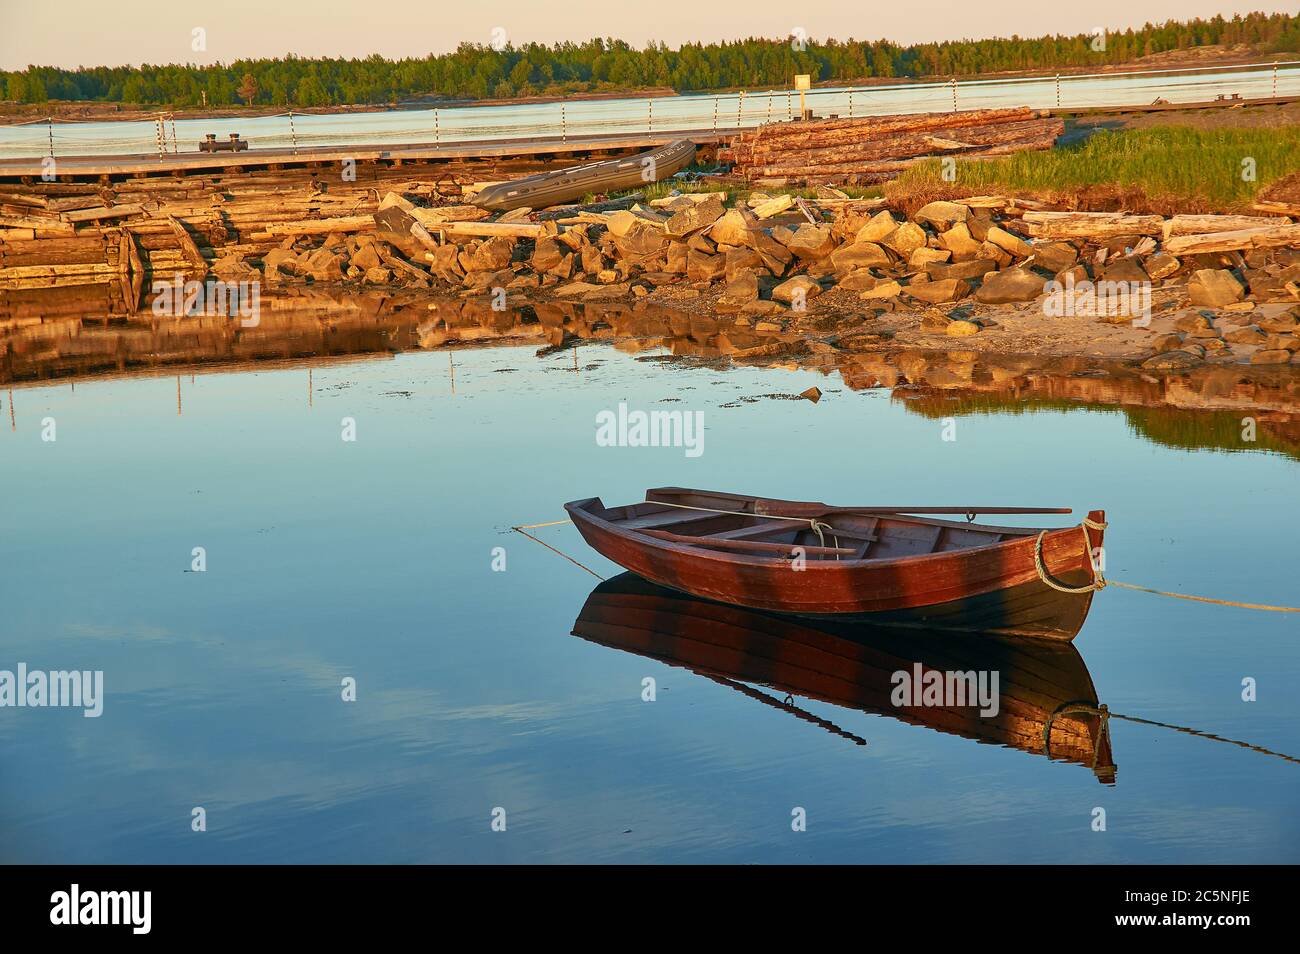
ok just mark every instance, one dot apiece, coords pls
pixel 802 82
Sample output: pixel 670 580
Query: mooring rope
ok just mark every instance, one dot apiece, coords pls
pixel 1099 582
pixel 1102 713
pixel 524 531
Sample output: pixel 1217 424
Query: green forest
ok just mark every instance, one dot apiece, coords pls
pixel 478 71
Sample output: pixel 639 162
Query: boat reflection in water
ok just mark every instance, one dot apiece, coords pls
pixel 1046 702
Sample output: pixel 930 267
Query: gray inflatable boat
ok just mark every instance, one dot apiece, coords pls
pixel 609 175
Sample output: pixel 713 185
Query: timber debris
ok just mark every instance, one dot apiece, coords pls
pixel 877 148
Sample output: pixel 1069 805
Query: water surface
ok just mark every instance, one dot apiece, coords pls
pixel 723 111
pixel 373 559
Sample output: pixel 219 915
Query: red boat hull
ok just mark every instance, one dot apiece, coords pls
pixel 991 589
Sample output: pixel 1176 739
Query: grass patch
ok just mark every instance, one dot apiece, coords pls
pixel 1164 169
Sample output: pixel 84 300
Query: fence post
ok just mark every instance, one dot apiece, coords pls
pixel 564 124
pixel 1275 81
pixel 50 123
pixel 789 105
pixel 436 133
pixel 1058 90
pixel 161 136
pixel 293 133
pixel 850 104
pixel 650 116
pixel 715 114
pixel 740 109
pixel 954 94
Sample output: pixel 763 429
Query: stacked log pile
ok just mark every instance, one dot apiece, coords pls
pixel 63 233
pixel 876 148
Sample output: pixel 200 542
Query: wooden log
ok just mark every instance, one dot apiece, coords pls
pixel 191 251
pixel 350 223
pixel 841 130
pixel 1205 224
pixel 798 166
pixel 1092 226
pixel 765 210
pixel 1269 237
pixel 102 212
pixel 1291 209
pixel 57 271
pixel 34 222
pixel 897 145
pixel 487 229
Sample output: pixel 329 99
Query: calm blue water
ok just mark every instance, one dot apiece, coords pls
pixel 637 115
pixel 373 560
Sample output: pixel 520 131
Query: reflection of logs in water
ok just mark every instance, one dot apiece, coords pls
pixel 65 332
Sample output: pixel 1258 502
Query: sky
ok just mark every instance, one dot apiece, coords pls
pixel 72 33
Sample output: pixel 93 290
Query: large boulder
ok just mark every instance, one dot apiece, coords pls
pixel 975 268
pixel 696 216
pixel 859 280
pixel 923 257
pixel 905 239
pixel 946 289
pixel 811 242
pixel 279 262
pixel 730 229
pixel 741 260
pixel 1247 334
pixel 1214 288
pixel 642 240
pixel 1126 269
pixel 793 290
pixel 942 215
pixel 547 253
pixel 1055 257
pixel 703 267
pixel 445 263
pixel 1273 356
pixel 773 254
pixel 960 242
pixel 1014 284
pixel 232 267
pixel 491 255
pixel 1160 265
pixel 677 256
pixel 1011 243
pixel 878 227
pixel 325 265
pixel 846 258
pixel 741 289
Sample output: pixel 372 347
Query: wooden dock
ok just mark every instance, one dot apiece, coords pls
pixel 73 168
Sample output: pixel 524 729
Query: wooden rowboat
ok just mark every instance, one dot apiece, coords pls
pixel 609 175
pixel 885 565
pixel 1047 703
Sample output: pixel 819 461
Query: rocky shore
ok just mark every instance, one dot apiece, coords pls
pixel 784 273
pixel 1002 274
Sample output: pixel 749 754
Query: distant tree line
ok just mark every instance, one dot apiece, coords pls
pixel 476 71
